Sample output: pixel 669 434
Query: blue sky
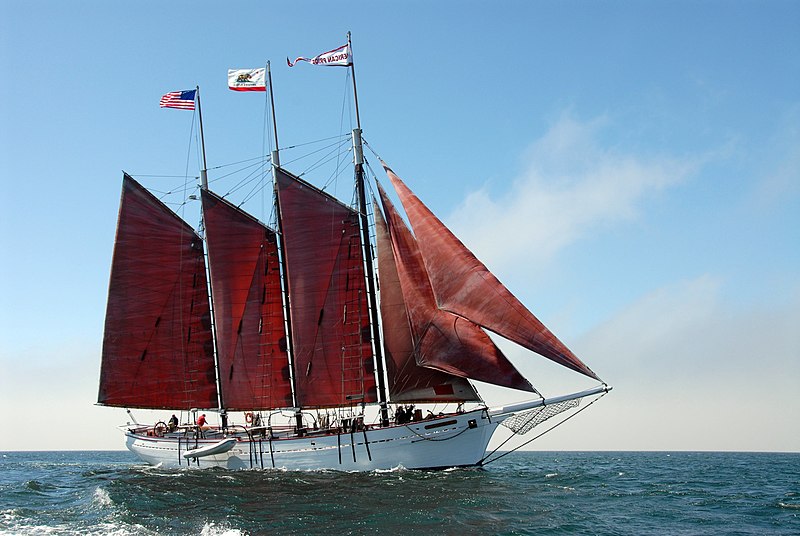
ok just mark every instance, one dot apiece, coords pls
pixel 630 170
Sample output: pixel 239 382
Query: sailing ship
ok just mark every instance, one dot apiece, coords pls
pixel 295 333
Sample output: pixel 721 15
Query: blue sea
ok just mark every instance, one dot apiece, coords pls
pixel 541 493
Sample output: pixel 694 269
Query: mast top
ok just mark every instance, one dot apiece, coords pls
pixel 204 171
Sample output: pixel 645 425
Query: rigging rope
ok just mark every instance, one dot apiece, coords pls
pixel 485 458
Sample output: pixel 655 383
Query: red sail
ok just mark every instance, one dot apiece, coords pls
pixel 331 346
pixel 443 341
pixel 157 347
pixel 248 310
pixel 407 381
pixel 464 286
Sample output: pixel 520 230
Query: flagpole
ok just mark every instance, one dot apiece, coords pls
pixel 276 159
pixel 353 74
pixel 358 154
pixel 204 171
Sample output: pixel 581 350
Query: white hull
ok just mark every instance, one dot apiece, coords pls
pixel 447 441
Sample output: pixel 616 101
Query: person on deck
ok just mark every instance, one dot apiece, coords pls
pixel 400 415
pixel 173 423
pixel 202 423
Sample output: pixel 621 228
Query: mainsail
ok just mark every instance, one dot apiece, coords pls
pixel 324 266
pixel 157 347
pixel 248 313
pixel 465 287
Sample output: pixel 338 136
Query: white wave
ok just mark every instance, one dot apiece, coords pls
pixel 21 526
pixel 396 469
pixel 102 498
pixel 787 505
pixel 212 529
pixel 551 475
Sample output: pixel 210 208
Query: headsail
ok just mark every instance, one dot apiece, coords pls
pixel 465 287
pixel 157 347
pixel 407 381
pixel 331 347
pixel 248 313
pixel 443 340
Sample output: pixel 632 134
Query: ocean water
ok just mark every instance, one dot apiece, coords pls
pixel 542 493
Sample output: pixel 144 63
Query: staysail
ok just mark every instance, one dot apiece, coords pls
pixel 157 347
pixel 248 312
pixel 443 340
pixel 331 346
pixel 407 381
pixel 465 287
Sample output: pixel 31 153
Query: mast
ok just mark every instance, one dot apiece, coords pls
pixel 362 208
pixel 204 186
pixel 276 162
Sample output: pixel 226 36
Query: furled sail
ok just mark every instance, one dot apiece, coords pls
pixel 331 345
pixel 248 311
pixel 157 346
pixel 407 381
pixel 442 340
pixel 465 287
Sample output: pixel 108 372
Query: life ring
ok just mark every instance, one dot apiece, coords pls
pixel 248 417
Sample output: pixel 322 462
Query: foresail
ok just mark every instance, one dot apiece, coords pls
pixel 442 340
pixel 157 346
pixel 407 381
pixel 331 345
pixel 465 287
pixel 248 311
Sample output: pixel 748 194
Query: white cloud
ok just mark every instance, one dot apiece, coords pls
pixel 570 185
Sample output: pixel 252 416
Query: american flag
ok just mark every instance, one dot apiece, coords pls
pixel 183 100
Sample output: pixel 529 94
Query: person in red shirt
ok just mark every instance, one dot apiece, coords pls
pixel 201 422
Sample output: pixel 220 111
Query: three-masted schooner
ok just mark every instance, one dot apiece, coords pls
pixel 285 330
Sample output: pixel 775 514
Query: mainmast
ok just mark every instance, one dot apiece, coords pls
pixel 358 154
pixel 276 163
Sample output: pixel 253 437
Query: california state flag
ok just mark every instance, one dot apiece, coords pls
pixel 247 79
